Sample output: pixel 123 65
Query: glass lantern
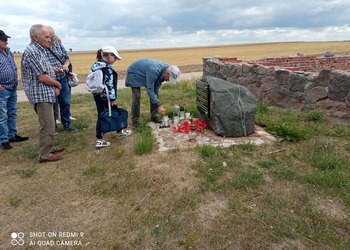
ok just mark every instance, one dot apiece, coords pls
pixel 165 122
pixel 176 111
pixel 192 135
pixel 182 112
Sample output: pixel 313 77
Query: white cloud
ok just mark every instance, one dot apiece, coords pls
pixel 88 24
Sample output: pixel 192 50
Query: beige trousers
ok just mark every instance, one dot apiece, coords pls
pixel 46 118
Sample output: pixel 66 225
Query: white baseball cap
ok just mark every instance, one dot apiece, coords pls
pixel 110 49
pixel 174 73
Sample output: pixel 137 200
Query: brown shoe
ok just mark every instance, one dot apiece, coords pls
pixel 57 150
pixel 52 158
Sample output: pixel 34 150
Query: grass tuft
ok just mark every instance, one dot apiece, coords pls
pixel 322 155
pixel 144 141
pixel 26 173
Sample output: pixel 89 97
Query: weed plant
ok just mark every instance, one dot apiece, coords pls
pixel 144 141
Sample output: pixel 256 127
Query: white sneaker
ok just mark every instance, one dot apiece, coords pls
pixel 102 143
pixel 124 133
pixel 72 118
pixel 58 122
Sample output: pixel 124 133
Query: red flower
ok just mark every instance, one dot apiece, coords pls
pixel 186 126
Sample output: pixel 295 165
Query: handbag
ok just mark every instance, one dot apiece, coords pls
pixel 118 120
pixel 73 82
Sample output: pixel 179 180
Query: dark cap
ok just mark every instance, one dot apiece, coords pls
pixel 3 36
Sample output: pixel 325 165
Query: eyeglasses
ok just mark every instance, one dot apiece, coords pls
pixel 3 40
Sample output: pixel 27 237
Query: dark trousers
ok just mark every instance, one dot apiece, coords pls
pixel 135 106
pixel 101 105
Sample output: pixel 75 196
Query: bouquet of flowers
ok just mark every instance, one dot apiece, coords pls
pixel 185 127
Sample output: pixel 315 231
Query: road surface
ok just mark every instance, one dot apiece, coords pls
pixel 80 89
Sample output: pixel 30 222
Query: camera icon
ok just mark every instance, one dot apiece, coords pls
pixel 17 239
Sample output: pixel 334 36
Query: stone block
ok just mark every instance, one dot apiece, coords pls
pixel 297 82
pixel 232 108
pixel 316 94
pixel 339 85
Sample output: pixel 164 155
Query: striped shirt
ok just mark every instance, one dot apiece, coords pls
pixel 62 55
pixel 35 62
pixel 8 70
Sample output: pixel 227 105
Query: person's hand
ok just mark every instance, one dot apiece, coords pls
pixel 59 86
pixel 57 92
pixel 70 74
pixel 161 110
pixel 1 88
pixel 114 105
pixel 65 67
pixel 57 70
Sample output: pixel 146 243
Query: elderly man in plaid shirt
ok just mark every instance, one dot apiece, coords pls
pixel 41 89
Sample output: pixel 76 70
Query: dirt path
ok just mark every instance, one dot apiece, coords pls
pixel 80 89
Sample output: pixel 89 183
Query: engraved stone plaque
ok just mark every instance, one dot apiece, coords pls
pixel 203 98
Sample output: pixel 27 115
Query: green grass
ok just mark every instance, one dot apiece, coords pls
pixel 144 141
pixel 292 194
pixel 26 173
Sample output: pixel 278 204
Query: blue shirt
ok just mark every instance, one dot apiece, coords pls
pixel 35 62
pixel 147 73
pixel 8 70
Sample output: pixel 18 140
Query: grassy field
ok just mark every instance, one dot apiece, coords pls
pixel 294 194
pixel 193 55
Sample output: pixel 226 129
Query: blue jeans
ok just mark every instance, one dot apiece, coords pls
pixel 64 102
pixel 8 113
pixel 55 106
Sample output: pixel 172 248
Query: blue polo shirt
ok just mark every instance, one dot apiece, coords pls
pixel 8 70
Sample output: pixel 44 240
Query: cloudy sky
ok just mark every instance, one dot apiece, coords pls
pixel 137 24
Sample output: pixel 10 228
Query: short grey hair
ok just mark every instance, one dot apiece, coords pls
pixel 50 28
pixel 35 30
pixel 57 39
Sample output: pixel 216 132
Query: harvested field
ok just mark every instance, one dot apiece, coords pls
pixel 190 58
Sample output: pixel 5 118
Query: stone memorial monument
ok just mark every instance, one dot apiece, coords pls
pixel 228 108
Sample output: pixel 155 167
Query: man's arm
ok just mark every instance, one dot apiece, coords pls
pixel 65 66
pixel 46 79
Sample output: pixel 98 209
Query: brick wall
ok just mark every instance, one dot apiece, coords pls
pixel 307 63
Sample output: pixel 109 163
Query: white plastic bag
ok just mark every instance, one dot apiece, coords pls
pixel 73 82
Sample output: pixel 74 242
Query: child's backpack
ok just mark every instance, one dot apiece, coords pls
pixel 94 82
